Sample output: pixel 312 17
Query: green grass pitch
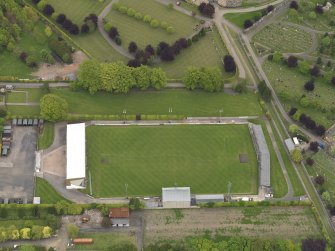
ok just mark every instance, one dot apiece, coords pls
pixel 147 158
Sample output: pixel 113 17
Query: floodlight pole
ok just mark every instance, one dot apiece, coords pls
pixel 221 110
pixel 170 111
pixel 126 186
pixel 124 114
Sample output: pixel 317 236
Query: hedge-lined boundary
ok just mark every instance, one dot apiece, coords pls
pixel 88 117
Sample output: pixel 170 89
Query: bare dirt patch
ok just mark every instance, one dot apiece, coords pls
pixel 55 162
pixel 266 222
pixel 61 71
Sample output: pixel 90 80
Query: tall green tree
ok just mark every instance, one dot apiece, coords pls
pixel 90 76
pixel 53 108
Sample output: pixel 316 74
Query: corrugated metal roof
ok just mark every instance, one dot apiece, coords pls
pixel 176 194
pixel 263 155
pixel 209 197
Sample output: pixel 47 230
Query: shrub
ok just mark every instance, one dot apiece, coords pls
pixel 41 5
pixel 115 6
pixel 66 58
pixel 61 18
pixel 154 23
pixel 23 56
pixel 113 33
pixel 292 61
pixel 48 10
pixel 53 108
pixel 293 129
pixel 132 48
pixel 170 29
pixel 118 40
pixel 264 91
pixel 309 85
pixel 292 111
pixel 296 155
pixel 333 81
pixel 123 9
pixel 314 146
pixel 84 28
pixel 138 16
pixel 315 71
pixel 309 161
pixel 320 180
pixel 229 63
pixel 147 18
pixel 72 230
pixel 248 23
pixel 131 12
pixel 294 5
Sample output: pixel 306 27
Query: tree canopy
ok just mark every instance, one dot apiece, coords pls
pixel 53 108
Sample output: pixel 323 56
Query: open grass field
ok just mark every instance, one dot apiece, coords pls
pixel 289 85
pixel 103 241
pixel 147 158
pixel 183 102
pixel 250 3
pixel 47 137
pixel 295 223
pixel 47 193
pixel 207 52
pixel 25 95
pixel 142 33
pixel 283 38
pixel 239 18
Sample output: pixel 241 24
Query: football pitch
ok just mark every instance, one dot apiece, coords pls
pixel 143 159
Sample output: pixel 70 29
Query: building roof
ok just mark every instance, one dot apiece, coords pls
pixel 122 212
pixel 75 151
pixel 176 194
pixel 209 197
pixel 289 144
pixel 263 155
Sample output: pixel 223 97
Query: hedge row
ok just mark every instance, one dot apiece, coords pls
pixel 154 23
pixel 85 117
pixel 255 204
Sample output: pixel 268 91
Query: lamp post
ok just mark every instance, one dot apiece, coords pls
pixel 124 112
pixel 170 111
pixel 221 110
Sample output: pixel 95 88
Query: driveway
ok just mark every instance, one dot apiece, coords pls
pixel 17 170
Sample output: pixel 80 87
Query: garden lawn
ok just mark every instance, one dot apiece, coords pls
pixel 16 97
pixel 24 111
pixel 103 241
pixel 201 54
pixel 239 18
pixel 47 137
pixel 289 86
pixel 183 102
pixel 47 193
pixel 147 158
pixel 142 33
pixel 283 38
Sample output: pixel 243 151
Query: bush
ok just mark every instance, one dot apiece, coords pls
pixel 118 40
pixel 292 61
pixel 131 12
pixel 314 146
pixel 170 29
pixel 264 91
pixel 309 85
pixel 60 19
pixel 84 29
pixel 154 23
pixel 53 108
pixel 48 10
pixel 320 180
pixel 138 16
pixel 292 111
pixel 115 6
pixel 296 155
pixel 248 23
pixel 229 63
pixel 147 18
pixel 73 230
pixel 123 9
pixel 310 161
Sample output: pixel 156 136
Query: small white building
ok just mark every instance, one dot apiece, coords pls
pixel 296 141
pixel 176 197
pixel 289 144
pixel 37 200
pixel 75 156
